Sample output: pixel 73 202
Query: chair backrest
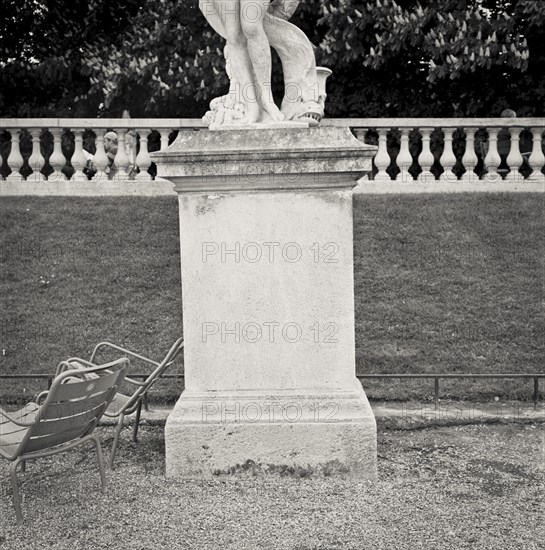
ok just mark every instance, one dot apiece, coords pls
pixel 73 410
pixel 170 357
pixel 174 351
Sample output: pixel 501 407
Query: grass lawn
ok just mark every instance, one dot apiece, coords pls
pixel 469 487
pixel 443 283
pixel 451 284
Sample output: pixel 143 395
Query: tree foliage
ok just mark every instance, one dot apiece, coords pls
pixel 437 57
pixel 43 45
pixel 169 61
pixel 389 57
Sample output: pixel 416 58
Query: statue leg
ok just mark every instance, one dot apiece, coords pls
pixel 241 66
pixel 253 13
pixel 302 95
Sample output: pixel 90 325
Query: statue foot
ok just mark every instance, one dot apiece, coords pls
pixel 253 113
pixel 271 113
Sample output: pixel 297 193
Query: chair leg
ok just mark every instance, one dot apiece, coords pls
pixel 116 439
pixel 100 460
pixel 15 488
pixel 23 466
pixel 137 421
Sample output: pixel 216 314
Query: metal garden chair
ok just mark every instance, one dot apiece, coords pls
pixel 125 405
pixel 61 419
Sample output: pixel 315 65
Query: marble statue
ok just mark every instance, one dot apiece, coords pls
pixel 250 28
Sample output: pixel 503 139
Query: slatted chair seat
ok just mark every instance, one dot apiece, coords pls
pixel 122 404
pixel 11 434
pixel 61 419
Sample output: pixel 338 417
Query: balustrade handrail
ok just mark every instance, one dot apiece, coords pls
pixel 475 122
pixel 469 122
pixel 129 123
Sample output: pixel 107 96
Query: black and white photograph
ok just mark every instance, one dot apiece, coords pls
pixel 272 274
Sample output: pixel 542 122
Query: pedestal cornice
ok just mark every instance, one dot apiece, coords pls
pixel 264 159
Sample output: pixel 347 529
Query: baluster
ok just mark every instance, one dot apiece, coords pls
pixel 514 158
pixel 382 158
pixel 164 138
pixel 448 158
pixel 537 159
pixel 143 159
pixel 360 136
pixel 404 159
pixel 15 159
pixel 79 160
pixel 131 142
pixel 100 159
pixel 492 159
pixel 36 161
pixel 121 158
pixel 470 159
pixel 56 160
pixel 426 158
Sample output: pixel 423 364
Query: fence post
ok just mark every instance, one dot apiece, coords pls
pixel 146 402
pixel 536 392
pixel 436 392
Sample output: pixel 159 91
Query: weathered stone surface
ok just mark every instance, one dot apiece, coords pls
pixel 268 297
pixel 293 158
pixel 328 432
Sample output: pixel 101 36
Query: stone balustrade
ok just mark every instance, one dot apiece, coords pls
pixel 441 153
pixel 453 149
pixel 59 149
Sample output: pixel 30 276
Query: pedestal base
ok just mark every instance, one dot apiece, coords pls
pixel 315 433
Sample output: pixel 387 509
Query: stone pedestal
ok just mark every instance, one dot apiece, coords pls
pixel 268 303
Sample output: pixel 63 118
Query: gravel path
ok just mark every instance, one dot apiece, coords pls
pixel 476 486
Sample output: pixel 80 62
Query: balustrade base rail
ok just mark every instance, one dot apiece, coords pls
pixel 145 187
pixel 436 377
pixel 374 187
pixel 159 188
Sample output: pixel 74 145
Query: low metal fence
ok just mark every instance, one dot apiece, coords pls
pixel 436 378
